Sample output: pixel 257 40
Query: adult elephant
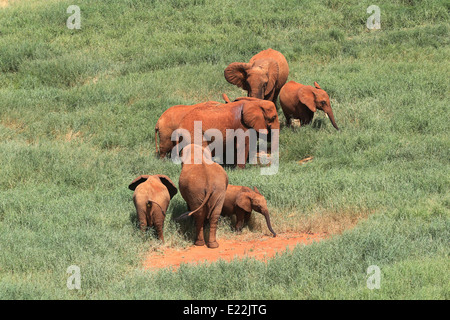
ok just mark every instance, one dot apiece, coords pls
pixel 299 101
pixel 240 116
pixel 262 77
pixel 169 122
pixel 203 184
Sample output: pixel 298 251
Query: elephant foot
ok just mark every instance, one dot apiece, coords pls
pixel 199 243
pixel 213 244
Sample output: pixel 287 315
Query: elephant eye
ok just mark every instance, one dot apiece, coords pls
pixel 323 102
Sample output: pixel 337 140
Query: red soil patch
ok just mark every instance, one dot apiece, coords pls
pixel 238 248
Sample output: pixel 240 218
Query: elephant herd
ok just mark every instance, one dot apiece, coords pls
pixel 203 183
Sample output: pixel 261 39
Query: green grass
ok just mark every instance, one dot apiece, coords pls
pixel 78 108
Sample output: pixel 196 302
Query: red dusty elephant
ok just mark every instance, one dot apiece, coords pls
pixel 301 102
pixel 241 201
pixel 152 194
pixel 169 121
pixel 262 77
pixel 203 184
pixel 243 113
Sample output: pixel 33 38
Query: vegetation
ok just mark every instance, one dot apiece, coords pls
pixel 78 109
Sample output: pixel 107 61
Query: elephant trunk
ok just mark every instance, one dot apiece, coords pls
pixel 331 116
pixel 265 213
pixel 258 95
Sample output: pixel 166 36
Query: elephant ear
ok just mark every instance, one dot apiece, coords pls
pixel 306 96
pixel 138 181
pixel 165 180
pixel 236 73
pixel 317 85
pixel 244 201
pixel 272 73
pixel 253 115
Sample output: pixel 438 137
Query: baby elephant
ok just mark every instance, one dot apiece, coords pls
pixel 151 198
pixel 301 102
pixel 241 201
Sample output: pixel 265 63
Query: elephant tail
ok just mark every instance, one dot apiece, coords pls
pixel 149 206
pixel 188 213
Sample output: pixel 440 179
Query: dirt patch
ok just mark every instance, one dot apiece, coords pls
pixel 262 248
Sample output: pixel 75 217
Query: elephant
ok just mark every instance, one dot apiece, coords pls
pixel 299 101
pixel 262 77
pixel 203 184
pixel 244 113
pixel 151 197
pixel 169 121
pixel 241 201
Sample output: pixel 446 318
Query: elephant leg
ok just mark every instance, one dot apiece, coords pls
pixel 238 150
pixel 213 222
pixel 239 220
pixel 247 217
pixel 158 222
pixel 142 217
pixel 288 119
pixel 199 220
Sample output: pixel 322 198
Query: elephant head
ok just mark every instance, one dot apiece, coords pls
pixel 257 78
pixel 316 98
pixel 259 114
pixel 249 200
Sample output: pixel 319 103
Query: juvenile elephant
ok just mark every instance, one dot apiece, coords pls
pixel 241 201
pixel 151 198
pixel 169 121
pixel 262 77
pixel 203 184
pixel 301 102
pixel 243 113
